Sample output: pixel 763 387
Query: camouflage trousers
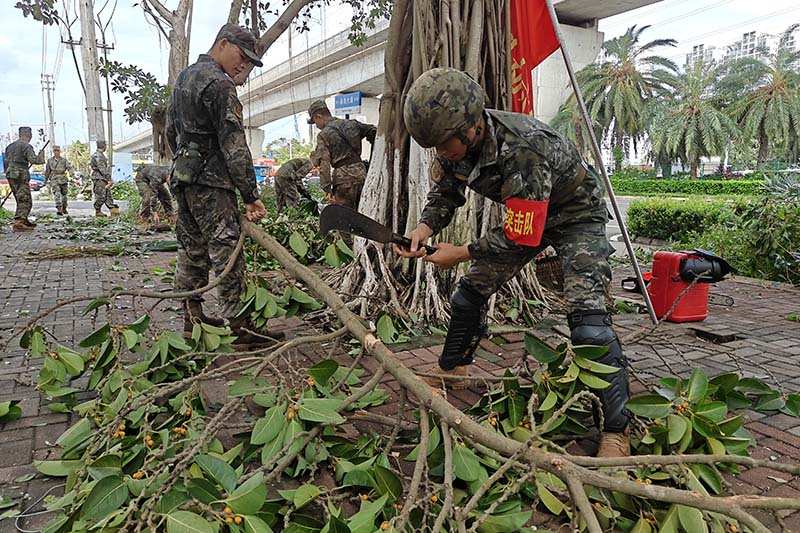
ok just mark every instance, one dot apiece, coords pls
pixel 19 181
pixel 584 252
pixel 60 190
pixel 348 194
pixel 152 197
pixel 102 195
pixel 208 230
pixel 286 193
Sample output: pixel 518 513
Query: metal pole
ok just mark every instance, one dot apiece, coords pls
pixel 94 106
pixel 599 159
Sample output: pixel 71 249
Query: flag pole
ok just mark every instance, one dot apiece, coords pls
pixel 599 159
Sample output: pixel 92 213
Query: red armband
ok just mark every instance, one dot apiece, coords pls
pixel 525 220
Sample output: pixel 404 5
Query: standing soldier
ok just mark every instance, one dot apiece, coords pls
pixel 101 179
pixel 338 154
pixel 289 182
pixel 55 173
pixel 552 198
pixel 19 157
pixel 212 162
pixel 151 181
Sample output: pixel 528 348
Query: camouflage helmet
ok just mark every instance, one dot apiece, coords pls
pixel 441 103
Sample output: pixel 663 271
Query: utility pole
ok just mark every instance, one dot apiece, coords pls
pixel 94 106
pixel 48 86
pixel 106 47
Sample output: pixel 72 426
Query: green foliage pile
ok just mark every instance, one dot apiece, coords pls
pixel 675 220
pixel 705 187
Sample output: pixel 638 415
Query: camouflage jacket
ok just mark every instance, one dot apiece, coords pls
pixel 56 170
pixel 204 109
pixel 153 175
pixel 99 165
pixel 294 170
pixel 339 145
pixel 521 158
pixel 20 155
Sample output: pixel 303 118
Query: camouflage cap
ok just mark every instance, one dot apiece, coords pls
pixel 315 107
pixel 56 148
pixel 244 39
pixel 101 142
pixel 25 130
pixel 441 103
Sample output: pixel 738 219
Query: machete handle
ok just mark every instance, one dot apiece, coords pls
pixel 405 242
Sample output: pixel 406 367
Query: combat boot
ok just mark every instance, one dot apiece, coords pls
pixel 19 225
pixel 28 223
pixel 99 213
pixel 59 211
pixel 239 325
pixel 193 312
pixel 614 444
pixel 115 211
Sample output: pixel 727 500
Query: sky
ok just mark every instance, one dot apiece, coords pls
pixel 27 49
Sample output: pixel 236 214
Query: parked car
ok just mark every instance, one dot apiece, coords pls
pixel 36 182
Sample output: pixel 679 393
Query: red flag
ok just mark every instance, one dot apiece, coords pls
pixel 533 38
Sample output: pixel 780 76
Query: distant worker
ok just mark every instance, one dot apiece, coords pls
pixel 212 163
pixel 102 182
pixel 151 181
pixel 289 184
pixel 19 157
pixel 55 174
pixel 338 154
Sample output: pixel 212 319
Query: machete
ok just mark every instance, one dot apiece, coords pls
pixel 341 218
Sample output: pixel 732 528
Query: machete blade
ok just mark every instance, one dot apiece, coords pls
pixel 341 218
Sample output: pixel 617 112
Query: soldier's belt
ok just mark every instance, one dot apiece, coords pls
pixel 348 161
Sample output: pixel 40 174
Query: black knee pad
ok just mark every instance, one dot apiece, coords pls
pixel 595 328
pixel 467 326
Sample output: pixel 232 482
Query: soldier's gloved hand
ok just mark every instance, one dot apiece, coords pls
pixel 448 255
pixel 418 236
pixel 255 211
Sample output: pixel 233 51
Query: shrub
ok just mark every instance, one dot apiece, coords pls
pixel 674 220
pixel 635 173
pixel 707 187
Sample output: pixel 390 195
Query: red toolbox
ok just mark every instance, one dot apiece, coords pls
pixel 668 284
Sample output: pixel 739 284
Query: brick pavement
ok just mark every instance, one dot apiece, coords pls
pixel 762 344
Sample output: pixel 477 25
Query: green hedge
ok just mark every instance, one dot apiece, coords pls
pixel 674 220
pixel 679 186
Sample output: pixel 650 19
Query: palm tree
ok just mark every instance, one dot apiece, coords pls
pixel 569 122
pixel 769 111
pixel 618 88
pixel 689 125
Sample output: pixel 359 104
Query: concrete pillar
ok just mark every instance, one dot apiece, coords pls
pixel 551 86
pixel 255 141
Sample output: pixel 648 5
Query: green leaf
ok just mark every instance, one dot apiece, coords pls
pixel 57 468
pixel 553 504
pixel 141 325
pixel 730 426
pixel 770 402
pixel 698 384
pixel 250 496
pixel 10 411
pixel 595 367
pixel 187 522
pixel 262 295
pixel 203 490
pixel 364 520
pixel 589 351
pixel 709 477
pixel 108 465
pixel 247 385
pixel 692 519
pixel 516 408
pixel 269 426
pixel 387 482
pixel 320 410
pixel 76 435
pixel 107 496
pixel 505 523
pixel 386 330
pixel 705 427
pixel 332 256
pixel 433 443
pixel 131 338
pixel 540 350
pixel 337 525
pixel 642 526
pixel 219 470
pixel 466 464
pixel 677 425
pixel 253 524
pixel 304 494
pixel 649 406
pixel 298 244
pixel 714 411
pixel 725 382
pixel 322 371
pixel 97 337
pixel 72 362
pixel 592 381
pixel 549 401
pixel 94 304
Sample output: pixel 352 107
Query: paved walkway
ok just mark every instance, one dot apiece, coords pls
pixel 753 337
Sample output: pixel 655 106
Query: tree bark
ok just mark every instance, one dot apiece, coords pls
pixel 763 148
pixel 236 9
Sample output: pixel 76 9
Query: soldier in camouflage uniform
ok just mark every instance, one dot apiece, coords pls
pixel 289 182
pixel 552 198
pixel 151 181
pixel 338 154
pixel 55 173
pixel 101 181
pixel 212 161
pixel 19 157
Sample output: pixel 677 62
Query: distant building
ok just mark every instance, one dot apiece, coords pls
pixel 700 54
pixel 751 45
